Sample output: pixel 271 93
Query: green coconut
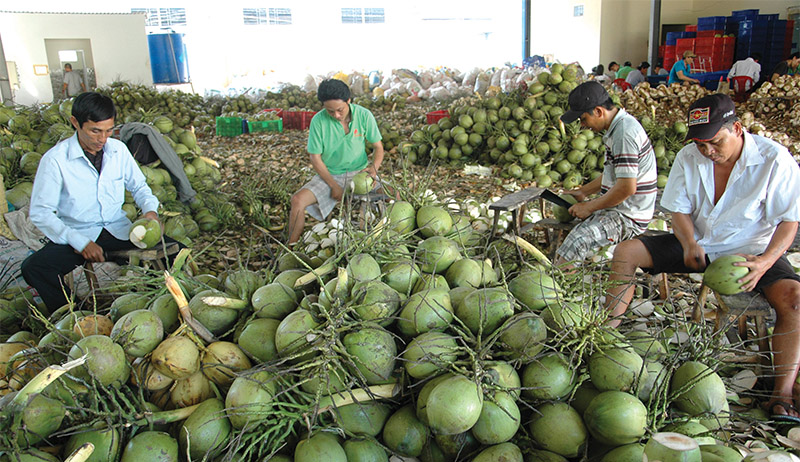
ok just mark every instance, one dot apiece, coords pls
pixel 428 353
pixel 127 303
pixel 375 301
pixel 40 417
pixel 166 308
pixel 722 275
pixel 618 369
pixel 509 452
pixel 672 447
pixel 292 335
pixel 402 217
pixel 403 432
pixel 523 336
pixel 422 397
pixel 697 389
pixel 540 455
pixel 425 311
pixel 250 399
pixel 724 453
pixel 373 350
pixel 363 267
pixel 454 405
pixel 205 433
pixel 628 453
pixel 503 375
pixel 534 289
pixel 615 418
pixel 437 253
pixel 257 339
pixel 364 450
pixel 222 361
pixel 401 275
pixel 656 378
pixel 645 345
pixel 274 300
pixel 499 419
pixel 145 233
pixel 105 360
pixel 139 332
pixel 558 428
pixel 464 272
pixel 430 281
pixel 363 419
pixel 433 221
pixel 152 446
pixel 454 445
pixel 361 183
pixel 561 213
pixel 106 441
pixel 484 310
pixel 549 377
pixel 216 318
pixel 29 455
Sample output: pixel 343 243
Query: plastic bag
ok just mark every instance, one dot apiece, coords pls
pixel 425 79
pixel 413 87
pixel 440 93
pixel 357 84
pixel 496 77
pixel 482 83
pixel 309 84
pixel 471 77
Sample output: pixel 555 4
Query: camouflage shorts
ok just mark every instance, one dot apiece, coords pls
pixel 602 228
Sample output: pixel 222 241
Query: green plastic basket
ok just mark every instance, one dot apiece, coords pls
pixel 258 126
pixel 229 126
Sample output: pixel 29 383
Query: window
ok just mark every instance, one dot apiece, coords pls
pixel 577 11
pixel 362 16
pixel 373 16
pixel 263 16
pixel 280 16
pixel 163 17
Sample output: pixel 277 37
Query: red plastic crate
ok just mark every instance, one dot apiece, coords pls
pixel 709 33
pixel 669 51
pixel 297 120
pixel 435 116
pixel 692 28
pixel 685 43
pixel 702 42
pixel 661 50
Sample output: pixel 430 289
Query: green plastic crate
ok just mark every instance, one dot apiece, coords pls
pixel 229 126
pixel 265 126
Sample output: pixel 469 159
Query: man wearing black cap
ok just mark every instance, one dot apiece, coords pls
pixel 730 192
pixel 627 186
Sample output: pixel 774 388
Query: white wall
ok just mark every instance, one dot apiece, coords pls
pixel 556 31
pixel 119 48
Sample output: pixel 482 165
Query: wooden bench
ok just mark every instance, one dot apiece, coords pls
pixel 373 201
pixel 737 308
pixel 147 257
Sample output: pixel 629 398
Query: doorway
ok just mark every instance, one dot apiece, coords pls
pixel 75 52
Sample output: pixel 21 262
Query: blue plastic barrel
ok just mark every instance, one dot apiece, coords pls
pixel 168 61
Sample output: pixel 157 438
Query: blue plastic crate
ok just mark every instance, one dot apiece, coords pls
pixel 769 17
pixel 712 26
pixel 752 13
pixel 672 38
pixel 754 24
pixel 689 34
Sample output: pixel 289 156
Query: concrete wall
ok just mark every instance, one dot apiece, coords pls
pixel 624 32
pixel 118 41
pixel 556 31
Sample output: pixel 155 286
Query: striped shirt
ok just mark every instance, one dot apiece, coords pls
pixel 629 154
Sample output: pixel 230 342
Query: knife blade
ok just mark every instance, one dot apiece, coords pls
pixel 550 196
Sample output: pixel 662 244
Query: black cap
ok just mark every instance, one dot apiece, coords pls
pixel 584 98
pixel 708 114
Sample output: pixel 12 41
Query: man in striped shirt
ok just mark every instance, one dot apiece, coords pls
pixel 627 186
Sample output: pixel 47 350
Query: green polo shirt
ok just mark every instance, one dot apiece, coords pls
pixel 343 153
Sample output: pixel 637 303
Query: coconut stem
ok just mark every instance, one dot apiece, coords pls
pixel 165 417
pixel 359 395
pixel 528 247
pixel 81 454
pixel 41 381
pixel 183 307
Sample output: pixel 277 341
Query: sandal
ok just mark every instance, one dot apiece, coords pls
pixel 783 418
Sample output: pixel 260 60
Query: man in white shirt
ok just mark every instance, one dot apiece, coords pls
pixel 730 192
pixel 77 199
pixel 749 67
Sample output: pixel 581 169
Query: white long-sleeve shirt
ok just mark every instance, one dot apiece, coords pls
pixel 747 67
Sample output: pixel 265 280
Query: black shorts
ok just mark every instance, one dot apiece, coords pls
pixel 667 254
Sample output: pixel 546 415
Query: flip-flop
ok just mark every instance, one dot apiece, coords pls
pixel 784 418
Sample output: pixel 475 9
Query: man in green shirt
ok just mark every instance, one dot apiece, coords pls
pixel 336 144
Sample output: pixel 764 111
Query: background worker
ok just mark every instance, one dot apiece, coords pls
pixel 73 84
pixel 638 75
pixel 681 71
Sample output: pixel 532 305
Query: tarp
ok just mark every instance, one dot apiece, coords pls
pixel 169 158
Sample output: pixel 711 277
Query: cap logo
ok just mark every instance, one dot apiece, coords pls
pixel 727 114
pixel 699 116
